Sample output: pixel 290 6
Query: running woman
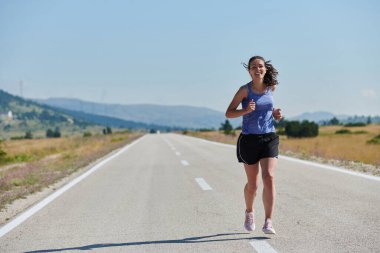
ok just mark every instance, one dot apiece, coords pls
pixel 257 145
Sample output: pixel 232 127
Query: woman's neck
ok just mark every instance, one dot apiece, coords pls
pixel 258 85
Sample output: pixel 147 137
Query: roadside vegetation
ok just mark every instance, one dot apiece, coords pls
pixel 29 165
pixel 342 145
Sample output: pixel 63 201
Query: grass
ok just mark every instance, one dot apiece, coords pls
pixel 358 144
pixel 31 165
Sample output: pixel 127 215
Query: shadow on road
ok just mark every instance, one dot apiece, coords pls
pixel 199 239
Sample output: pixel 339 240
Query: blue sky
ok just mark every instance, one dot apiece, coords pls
pixel 190 52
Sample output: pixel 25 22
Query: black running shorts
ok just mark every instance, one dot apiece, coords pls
pixel 251 148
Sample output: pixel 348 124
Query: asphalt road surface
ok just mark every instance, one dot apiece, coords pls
pixel 173 193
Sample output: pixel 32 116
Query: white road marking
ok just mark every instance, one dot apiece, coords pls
pixel 185 163
pixel 262 246
pixel 329 167
pixel 170 145
pixel 314 164
pixel 203 184
pixel 28 213
pixel 178 153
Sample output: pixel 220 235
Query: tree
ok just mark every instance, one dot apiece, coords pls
pixel 107 130
pixel 226 127
pixel 53 134
pixel 57 133
pixel 304 129
pixel 334 121
pixel 369 120
pixel 49 133
pixel 28 135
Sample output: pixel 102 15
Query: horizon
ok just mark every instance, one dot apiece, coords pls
pixel 190 53
pixel 163 105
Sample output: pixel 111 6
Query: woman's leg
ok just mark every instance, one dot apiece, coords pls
pixel 268 166
pixel 250 188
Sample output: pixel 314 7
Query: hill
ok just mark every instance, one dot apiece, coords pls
pixel 18 115
pixel 173 116
pixel 116 122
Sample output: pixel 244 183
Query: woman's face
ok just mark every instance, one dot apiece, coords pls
pixel 257 69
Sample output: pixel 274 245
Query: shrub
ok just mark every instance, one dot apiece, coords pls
pixel 108 130
pixel 304 129
pixel 3 154
pixel 357 124
pixel 343 131
pixel 53 134
pixel 375 140
pixel 361 132
pixel 49 133
pixel 206 129
pixel 28 135
pixel 14 138
pixel 87 134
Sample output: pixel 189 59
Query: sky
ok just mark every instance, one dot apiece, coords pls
pixel 191 52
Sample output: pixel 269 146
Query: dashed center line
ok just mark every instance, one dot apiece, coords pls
pixel 262 246
pixel 185 163
pixel 178 153
pixel 203 184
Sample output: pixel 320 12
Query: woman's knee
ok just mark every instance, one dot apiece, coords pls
pixel 251 187
pixel 268 179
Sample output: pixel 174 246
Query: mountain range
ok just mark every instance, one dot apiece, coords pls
pixel 180 116
pixel 77 115
pixel 19 115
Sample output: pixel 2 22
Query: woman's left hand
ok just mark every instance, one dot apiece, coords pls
pixel 277 114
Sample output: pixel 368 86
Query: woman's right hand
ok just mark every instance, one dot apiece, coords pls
pixel 251 106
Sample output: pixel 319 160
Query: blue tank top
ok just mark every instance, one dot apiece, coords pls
pixel 259 121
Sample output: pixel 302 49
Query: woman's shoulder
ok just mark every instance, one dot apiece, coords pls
pixel 243 90
pixel 245 87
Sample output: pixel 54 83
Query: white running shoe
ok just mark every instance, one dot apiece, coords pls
pixel 268 227
pixel 249 223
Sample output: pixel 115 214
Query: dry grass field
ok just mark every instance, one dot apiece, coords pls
pixel 347 147
pixel 31 165
pixel 351 147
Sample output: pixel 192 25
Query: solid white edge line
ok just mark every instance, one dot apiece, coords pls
pixel 31 211
pixel 262 246
pixel 330 167
pixel 203 184
pixel 323 166
pixel 185 163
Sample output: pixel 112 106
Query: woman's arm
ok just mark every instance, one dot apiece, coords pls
pixel 232 111
pixel 276 111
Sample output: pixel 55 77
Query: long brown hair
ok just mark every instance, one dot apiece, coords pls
pixel 270 78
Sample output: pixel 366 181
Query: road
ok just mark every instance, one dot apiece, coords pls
pixel 173 193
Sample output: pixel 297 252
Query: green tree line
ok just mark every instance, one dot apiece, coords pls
pixel 290 128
